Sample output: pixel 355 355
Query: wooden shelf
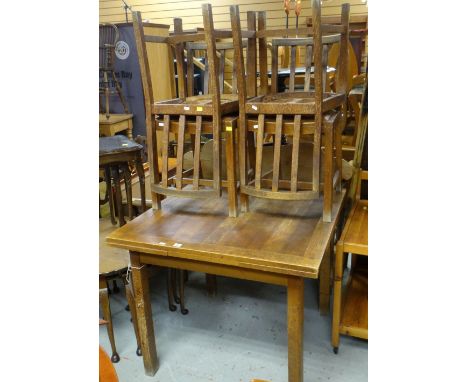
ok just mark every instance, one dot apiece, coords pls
pixel 354 310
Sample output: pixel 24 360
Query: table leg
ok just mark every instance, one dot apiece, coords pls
pixel 337 297
pixel 144 314
pixel 295 329
pixel 324 282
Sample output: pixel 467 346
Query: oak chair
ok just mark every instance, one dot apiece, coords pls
pixel 293 114
pixel 195 115
pixel 212 113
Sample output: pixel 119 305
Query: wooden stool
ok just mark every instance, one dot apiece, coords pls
pixel 113 265
pixel 115 154
pixel 114 124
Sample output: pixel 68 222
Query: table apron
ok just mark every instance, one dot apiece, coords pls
pixel 215 269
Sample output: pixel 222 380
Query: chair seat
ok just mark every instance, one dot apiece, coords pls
pixel 111 260
pixel 292 103
pixel 117 144
pixel 197 105
pixel 228 122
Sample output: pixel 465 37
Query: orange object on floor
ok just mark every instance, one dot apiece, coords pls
pixel 106 369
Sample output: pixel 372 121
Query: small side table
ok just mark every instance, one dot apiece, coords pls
pixel 350 312
pixel 115 154
pixel 115 123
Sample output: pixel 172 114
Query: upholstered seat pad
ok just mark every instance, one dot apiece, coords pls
pixel 117 144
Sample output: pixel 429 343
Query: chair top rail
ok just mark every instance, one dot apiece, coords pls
pixel 219 45
pixel 299 31
pixel 293 41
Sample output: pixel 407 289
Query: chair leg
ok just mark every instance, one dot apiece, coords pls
pixel 211 284
pixel 337 297
pixel 231 173
pixel 170 291
pixel 174 285
pixel 110 196
pixel 105 305
pixel 115 287
pixel 328 173
pixel 180 276
pixel 106 93
pixel 141 178
pixel 131 304
pixel 118 193
pixel 119 91
pixel 128 190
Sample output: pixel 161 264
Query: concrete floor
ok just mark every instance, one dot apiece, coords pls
pixel 238 335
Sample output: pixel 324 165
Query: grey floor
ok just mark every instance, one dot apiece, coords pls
pixel 237 335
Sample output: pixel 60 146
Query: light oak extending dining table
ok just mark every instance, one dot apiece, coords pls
pixel 276 242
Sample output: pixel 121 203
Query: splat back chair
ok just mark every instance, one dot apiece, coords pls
pixel 108 37
pixel 213 113
pixel 294 114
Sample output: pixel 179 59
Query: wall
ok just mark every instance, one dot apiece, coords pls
pixel 163 12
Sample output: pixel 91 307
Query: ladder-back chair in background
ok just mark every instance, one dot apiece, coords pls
pixel 194 115
pixel 108 37
pixel 294 114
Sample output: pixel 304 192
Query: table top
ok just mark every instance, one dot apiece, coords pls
pixel 113 118
pixel 284 237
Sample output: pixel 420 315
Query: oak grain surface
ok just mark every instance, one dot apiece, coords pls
pixel 269 237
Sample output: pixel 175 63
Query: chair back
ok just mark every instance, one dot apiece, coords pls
pixel 108 37
pixel 293 115
pixel 189 114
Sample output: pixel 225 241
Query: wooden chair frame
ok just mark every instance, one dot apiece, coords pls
pixel 328 109
pixel 195 115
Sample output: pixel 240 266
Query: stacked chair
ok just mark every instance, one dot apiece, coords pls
pixel 243 120
pixel 294 114
pixel 214 114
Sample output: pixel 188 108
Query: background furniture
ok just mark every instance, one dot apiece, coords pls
pixel 115 154
pixel 128 72
pixel 114 124
pixel 350 310
pixel 108 38
pixel 113 265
